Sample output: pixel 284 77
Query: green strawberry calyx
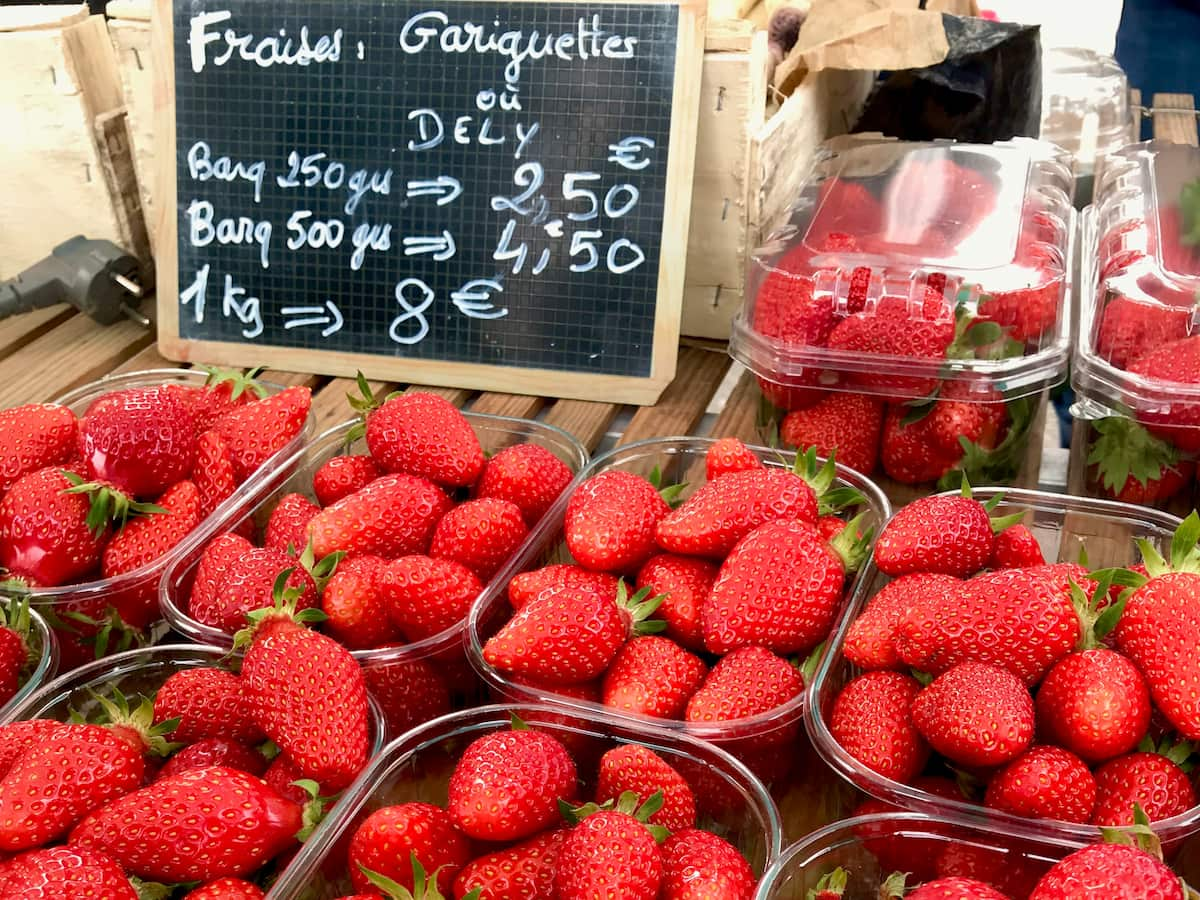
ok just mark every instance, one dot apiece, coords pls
pixel 153 890
pixel 831 883
pixel 672 494
pixel 831 497
pixel 1124 449
pixel 364 404
pixel 999 523
pixel 1179 752
pixel 1097 618
pixel 425 886
pixel 808 668
pixel 99 632
pixel 1189 213
pixel 1139 834
pixel 639 607
pixel 15 617
pixel 893 886
pixel 852 544
pixel 627 803
pixel 284 608
pixel 320 570
pixel 134 723
pixel 998 464
pixel 107 503
pixel 314 808
pixel 240 382
pixel 1184 557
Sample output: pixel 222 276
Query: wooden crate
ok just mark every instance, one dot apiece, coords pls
pixel 751 151
pixel 67 161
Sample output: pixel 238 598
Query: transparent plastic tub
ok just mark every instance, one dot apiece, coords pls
pixel 1064 525
pixel 43 670
pixel 133 595
pixel 908 840
pixel 915 273
pixel 1139 320
pixel 438 657
pixel 769 742
pixel 417 767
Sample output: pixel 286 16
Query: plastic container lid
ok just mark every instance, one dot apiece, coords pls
pixel 905 266
pixel 1085 104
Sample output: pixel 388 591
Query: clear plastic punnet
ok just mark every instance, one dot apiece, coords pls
pixel 1137 365
pixel 918 275
pixel 43 662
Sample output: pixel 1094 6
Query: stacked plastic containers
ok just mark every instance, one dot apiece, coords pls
pixel 1085 110
pixel 919 297
pixel 1137 365
pixel 413 681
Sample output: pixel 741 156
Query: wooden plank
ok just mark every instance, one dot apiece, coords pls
pixel 1177 127
pixel 330 405
pixel 586 420
pixel 518 406
pixel 293 379
pixel 148 358
pixel 19 330
pixel 740 416
pixel 457 396
pixel 684 401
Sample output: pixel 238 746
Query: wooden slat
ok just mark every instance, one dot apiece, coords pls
pixel 682 405
pixel 330 405
pixel 586 420
pixel 1180 127
pixel 293 379
pixel 739 417
pixel 457 396
pixel 1135 108
pixel 149 358
pixel 19 330
pixel 519 406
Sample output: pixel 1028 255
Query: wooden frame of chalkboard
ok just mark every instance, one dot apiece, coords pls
pixel 602 341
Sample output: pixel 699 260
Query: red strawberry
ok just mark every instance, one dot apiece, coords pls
pixel 285 778
pixel 872 720
pixel 1094 703
pixel 745 682
pixel 64 873
pixel 1016 547
pixel 610 854
pixel 1027 312
pixel 507 784
pixel 53 785
pixel 480 534
pixel 307 693
pixel 17 737
pixel 632 767
pixel 209 703
pixel 830 527
pixel 425 596
pixel 341 476
pixel 18 645
pixel 219 555
pixel 248 584
pixel 911 453
pixel 355 606
pixel 1014 618
pixel 198 825
pixel 420 434
pixel 215 752
pixel 610 521
pixel 1152 780
pixel 729 455
pixel 257 431
pixel 223 390
pixel 226 889
pixel 569 635
pixel 843 425
pixel 142 440
pixel 846 207
pixel 287 528
pixel 698 865
pixel 409 692
pixel 945 533
pixel 1012 873
pixel 393 516
pixel 653 676
pixel 1109 870
pixel 895 850
pixel 1132 465
pixel 1177 362
pixel 150 537
pixel 722 512
pixel 956 889
pixel 391 838
pixel 786 310
pixel 684 583
pixel 33 437
pixel 779 588
pixel 871 640
pixel 1129 327
pixel 960 414
pixel 976 714
pixel 213 473
pixel 515 873
pixel 528 475
pixel 528 585
pixel 1044 783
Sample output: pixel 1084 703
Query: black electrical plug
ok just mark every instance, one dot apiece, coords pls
pixel 96 277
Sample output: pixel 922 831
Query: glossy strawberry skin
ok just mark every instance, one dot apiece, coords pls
pixel 911 454
pixel 871 640
pixel 609 855
pixel 845 426
pixel 1094 703
pixel 214 474
pixel 956 889
pixel 1016 547
pixel 354 602
pixel 1176 362
pixel 480 534
pixel 1010 873
pixel 947 534
pixel 409 692
pixel 728 454
pixel 35 436
pixel 1156 783
pixel 610 522
pixel 506 785
pixel 721 513
pixel 148 538
pixel 393 516
pixel 64 873
pixel 779 588
pixel 209 703
pixel 426 436
pixel 218 556
pixel 872 721
pixel 1044 783
pixel 226 889
pixel 744 683
pixel 247 584
pixel 975 714
pixel 341 476
pixel 387 839
pixel 527 475
pixel 17 737
pixel 193 826
pixel 142 440
pixel 256 431
pixel 1108 870
pixel 528 585
pixel 684 583
pixel 653 676
pixel 43 531
pixel 632 767
pixel 1130 327
pixel 287 528
pixel 698 865
pixel 515 873
pixel 424 596
pixel 215 752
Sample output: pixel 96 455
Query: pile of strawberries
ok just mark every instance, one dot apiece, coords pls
pixel 1145 328
pixel 179 790
pixel 20 647
pixel 1044 691
pixel 898 413
pixel 389 547
pixel 713 598
pixel 516 825
pixel 107 494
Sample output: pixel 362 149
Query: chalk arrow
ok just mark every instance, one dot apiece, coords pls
pixel 472 299
pixel 449 189
pixel 441 247
pixel 328 315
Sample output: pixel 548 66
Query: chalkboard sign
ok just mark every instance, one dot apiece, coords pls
pixel 471 193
